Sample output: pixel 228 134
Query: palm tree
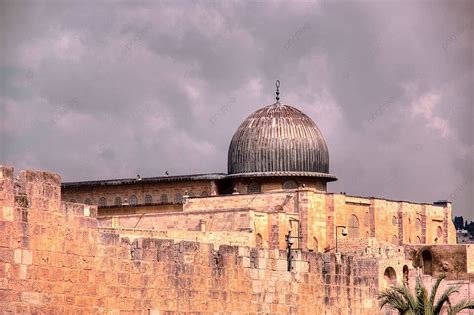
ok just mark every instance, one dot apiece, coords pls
pixel 421 303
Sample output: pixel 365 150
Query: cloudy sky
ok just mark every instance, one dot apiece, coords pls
pixel 96 90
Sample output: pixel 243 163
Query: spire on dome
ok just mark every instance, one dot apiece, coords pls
pixel 277 84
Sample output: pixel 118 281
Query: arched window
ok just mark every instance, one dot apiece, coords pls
pixel 290 184
pixel 315 244
pixel 88 201
pixel 394 220
pixel 102 202
pixel 390 277
pixel 395 240
pixel 178 198
pixel 418 224
pixel 164 198
pixel 148 199
pixel 258 240
pixel 133 200
pixel 254 188
pixel 190 194
pixel 204 194
pixel 439 232
pixel 118 201
pixel 353 227
pixel 427 259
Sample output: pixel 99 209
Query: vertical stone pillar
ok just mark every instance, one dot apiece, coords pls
pixel 447 217
pixel 330 220
pixel 273 231
pixel 423 224
pixel 372 217
pixel 400 223
pixel 303 228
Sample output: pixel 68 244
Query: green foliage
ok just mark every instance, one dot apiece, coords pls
pixel 421 302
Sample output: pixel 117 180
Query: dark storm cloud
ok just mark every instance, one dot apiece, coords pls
pixel 104 90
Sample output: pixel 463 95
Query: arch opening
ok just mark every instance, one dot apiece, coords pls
pixel 102 202
pixel 258 240
pixel 353 227
pixel 406 273
pixel 427 262
pixel 390 277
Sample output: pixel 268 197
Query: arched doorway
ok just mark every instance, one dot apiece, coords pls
pixel 390 277
pixel 427 260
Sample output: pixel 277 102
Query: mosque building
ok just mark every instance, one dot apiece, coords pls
pixel 278 171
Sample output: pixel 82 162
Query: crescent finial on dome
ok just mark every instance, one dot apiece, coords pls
pixel 277 84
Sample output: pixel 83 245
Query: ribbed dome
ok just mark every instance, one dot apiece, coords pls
pixel 278 140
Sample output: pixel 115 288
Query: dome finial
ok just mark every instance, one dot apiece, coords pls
pixel 277 84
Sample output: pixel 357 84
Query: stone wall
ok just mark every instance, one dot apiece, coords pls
pixel 470 258
pixel 397 222
pixel 140 190
pixel 306 213
pixel 55 260
pixel 450 259
pixel 275 201
pixel 139 209
pixel 227 220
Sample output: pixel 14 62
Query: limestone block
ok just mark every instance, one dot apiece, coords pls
pixel 23 272
pixel 8 214
pixel 254 273
pixel 281 265
pixel 17 256
pixel 3 283
pixel 244 251
pixel 87 211
pixel 27 257
pixel 31 297
pixel 261 263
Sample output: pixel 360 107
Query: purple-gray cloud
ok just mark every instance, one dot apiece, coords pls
pixel 104 90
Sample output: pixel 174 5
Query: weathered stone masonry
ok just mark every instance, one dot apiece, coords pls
pixel 55 260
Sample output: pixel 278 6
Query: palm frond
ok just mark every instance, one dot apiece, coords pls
pixel 444 298
pixel 407 295
pixel 435 287
pixel 422 299
pixel 462 305
pixel 394 300
pixel 421 303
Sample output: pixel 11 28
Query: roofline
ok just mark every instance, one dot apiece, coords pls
pixel 328 177
pixel 145 180
pixel 390 199
pixel 194 177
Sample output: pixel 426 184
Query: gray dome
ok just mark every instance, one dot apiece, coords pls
pixel 278 140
